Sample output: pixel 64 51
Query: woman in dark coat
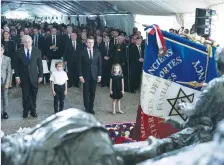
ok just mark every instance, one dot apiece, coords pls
pixel 10 49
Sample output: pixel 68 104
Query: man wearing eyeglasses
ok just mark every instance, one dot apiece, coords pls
pixel 89 69
pixel 29 72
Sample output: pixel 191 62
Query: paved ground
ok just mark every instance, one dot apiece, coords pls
pixel 73 100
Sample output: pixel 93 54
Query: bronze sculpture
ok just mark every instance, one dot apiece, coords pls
pixel 73 137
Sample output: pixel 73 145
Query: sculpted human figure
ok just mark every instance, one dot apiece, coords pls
pixel 70 137
pixel 203 117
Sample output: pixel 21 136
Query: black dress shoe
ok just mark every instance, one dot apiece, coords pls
pixel 33 114
pixel 92 112
pixel 77 85
pixel 5 115
pixel 25 115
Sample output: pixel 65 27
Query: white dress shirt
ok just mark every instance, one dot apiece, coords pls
pixel 55 39
pixel 59 77
pixel 1 57
pixel 74 44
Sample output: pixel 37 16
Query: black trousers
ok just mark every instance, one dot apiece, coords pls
pixel 106 72
pixel 89 90
pixel 59 97
pixel 29 92
pixel 73 78
pixel 126 78
pixel 135 81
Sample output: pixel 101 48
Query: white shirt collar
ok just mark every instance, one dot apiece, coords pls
pixel 30 49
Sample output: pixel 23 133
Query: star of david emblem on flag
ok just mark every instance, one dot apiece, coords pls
pixel 182 97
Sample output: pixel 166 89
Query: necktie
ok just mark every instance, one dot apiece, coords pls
pixel 107 47
pixel 90 55
pixel 35 42
pixel 28 55
pixel 140 52
pixel 74 45
pixel 54 40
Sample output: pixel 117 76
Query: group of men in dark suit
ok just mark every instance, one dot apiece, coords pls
pixel 88 60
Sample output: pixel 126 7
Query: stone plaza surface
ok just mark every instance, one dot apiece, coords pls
pixel 74 99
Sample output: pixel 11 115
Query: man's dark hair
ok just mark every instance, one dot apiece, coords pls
pixel 90 38
pixel 220 62
pixel 107 35
pixel 54 27
pixel 35 27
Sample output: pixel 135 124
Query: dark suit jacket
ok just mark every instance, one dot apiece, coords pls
pixel 104 53
pixel 49 43
pixel 29 71
pixel 10 51
pixel 71 55
pixel 19 43
pixel 83 45
pixel 64 40
pixel 41 44
pixel 119 55
pixel 86 68
pixel 104 50
pixel 134 55
pixel 99 47
pixel 112 42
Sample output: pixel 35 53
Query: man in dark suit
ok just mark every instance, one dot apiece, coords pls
pixel 19 42
pixel 66 37
pixel 98 45
pixel 38 41
pixel 114 39
pixel 107 53
pixel 136 63
pixel 72 49
pixel 90 67
pixel 53 46
pixel 29 72
pixel 120 56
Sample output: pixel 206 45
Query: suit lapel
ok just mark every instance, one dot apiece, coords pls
pixel 32 53
pixel 87 54
pixel 23 56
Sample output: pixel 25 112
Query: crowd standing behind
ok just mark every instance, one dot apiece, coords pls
pixel 87 52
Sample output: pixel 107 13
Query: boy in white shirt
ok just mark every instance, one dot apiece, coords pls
pixel 59 86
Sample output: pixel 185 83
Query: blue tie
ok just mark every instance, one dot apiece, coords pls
pixel 35 41
pixel 28 56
